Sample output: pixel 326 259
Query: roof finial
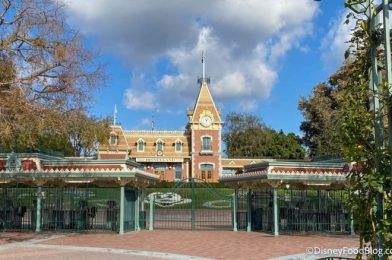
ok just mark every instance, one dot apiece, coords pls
pixel 115 114
pixel 204 65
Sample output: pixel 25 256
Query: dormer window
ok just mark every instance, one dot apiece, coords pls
pixel 178 146
pixel 113 139
pixel 159 145
pixel 140 144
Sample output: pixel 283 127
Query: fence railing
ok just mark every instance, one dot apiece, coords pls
pixel 62 209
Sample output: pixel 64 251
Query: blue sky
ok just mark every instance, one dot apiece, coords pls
pixel 262 56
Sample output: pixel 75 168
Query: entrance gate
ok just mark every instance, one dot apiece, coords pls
pixel 192 204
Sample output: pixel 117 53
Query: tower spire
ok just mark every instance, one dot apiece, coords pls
pixel 204 65
pixel 115 114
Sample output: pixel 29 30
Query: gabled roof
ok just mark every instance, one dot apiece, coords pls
pixel 205 101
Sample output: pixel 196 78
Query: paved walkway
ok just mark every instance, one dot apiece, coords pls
pixel 167 245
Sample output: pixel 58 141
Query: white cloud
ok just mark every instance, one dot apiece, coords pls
pixel 335 43
pixel 244 41
pixel 246 106
pixel 146 121
pixel 136 100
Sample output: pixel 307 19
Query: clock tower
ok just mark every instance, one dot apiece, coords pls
pixel 205 125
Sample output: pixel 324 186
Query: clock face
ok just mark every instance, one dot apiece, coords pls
pixel 206 121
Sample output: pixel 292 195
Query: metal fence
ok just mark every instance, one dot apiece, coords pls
pixel 188 205
pixel 260 202
pixel 73 208
pixel 299 210
pixel 313 211
pixel 191 205
pixel 17 208
pixel 62 208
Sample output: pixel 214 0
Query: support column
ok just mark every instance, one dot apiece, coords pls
pixel 137 210
pixel 352 230
pixel 122 210
pixel 142 197
pixel 249 210
pixel 38 210
pixel 388 63
pixel 235 211
pixel 187 170
pixel 143 209
pixel 275 201
pixel 151 223
pixel 193 209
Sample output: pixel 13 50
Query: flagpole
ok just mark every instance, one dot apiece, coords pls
pixel 115 114
pixel 204 65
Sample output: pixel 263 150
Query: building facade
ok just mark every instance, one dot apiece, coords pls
pixel 195 152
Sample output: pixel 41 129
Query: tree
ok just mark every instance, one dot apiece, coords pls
pixel 247 136
pixel 370 179
pixel 362 132
pixel 321 133
pixel 86 132
pixel 45 73
pixel 51 63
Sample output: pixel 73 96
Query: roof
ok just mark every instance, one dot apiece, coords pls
pixel 28 167
pixel 239 163
pixel 157 133
pixel 205 102
pixel 306 172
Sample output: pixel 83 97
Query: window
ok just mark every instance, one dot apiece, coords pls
pixel 206 146
pixel 140 145
pixel 113 139
pixel 159 145
pixel 178 146
pixel 206 171
pixel 178 171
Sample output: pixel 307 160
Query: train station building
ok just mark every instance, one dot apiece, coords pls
pixel 116 191
pixel 195 152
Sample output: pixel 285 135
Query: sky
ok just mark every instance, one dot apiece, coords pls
pixel 261 56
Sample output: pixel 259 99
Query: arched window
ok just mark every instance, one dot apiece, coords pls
pixel 159 145
pixel 206 143
pixel 113 139
pixel 206 171
pixel 178 146
pixel 140 145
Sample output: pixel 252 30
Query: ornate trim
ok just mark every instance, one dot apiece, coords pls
pixel 13 163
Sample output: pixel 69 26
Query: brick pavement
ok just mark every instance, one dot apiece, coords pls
pixel 58 254
pixel 12 237
pixel 209 244
pixel 31 246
